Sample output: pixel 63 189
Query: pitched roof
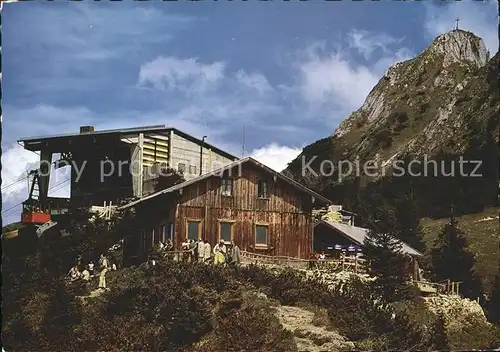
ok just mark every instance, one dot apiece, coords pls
pixel 358 235
pixel 219 172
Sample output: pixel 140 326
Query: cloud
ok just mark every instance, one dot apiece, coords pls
pixel 42 119
pixel 368 42
pixel 276 156
pixel 255 81
pixel 81 47
pixel 330 77
pixel 478 17
pixel 16 161
pixel 195 79
pixel 334 79
pixel 186 75
pixel 208 94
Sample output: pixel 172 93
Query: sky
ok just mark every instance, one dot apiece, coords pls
pixel 289 72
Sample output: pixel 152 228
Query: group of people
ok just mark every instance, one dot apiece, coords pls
pixel 165 246
pixel 201 251
pixel 88 272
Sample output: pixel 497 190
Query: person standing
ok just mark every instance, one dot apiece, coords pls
pixel 207 252
pixel 192 247
pixel 185 249
pixel 196 252
pixel 219 253
pixel 104 266
pixel 91 268
pixel 201 250
pixel 86 278
pixel 235 254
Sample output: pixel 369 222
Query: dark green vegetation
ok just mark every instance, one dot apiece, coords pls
pixel 196 306
pixel 387 263
pixel 494 304
pixel 190 306
pixel 481 232
pixel 450 260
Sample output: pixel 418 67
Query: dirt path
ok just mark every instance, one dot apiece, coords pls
pixel 92 294
pixel 308 336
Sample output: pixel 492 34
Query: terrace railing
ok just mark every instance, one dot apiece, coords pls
pixel 353 264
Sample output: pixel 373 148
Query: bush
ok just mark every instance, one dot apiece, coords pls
pixel 177 305
pixel 172 315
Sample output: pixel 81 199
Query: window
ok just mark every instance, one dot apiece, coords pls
pixel 193 229
pixel 181 167
pixel 163 232
pixel 227 187
pixel 171 231
pixel 261 235
pixel 192 169
pixel 262 189
pixel 147 239
pixel 226 231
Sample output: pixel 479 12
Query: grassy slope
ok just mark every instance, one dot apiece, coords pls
pixel 483 238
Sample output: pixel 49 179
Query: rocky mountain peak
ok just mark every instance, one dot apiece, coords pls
pixel 458 46
pixel 438 72
pixel 435 101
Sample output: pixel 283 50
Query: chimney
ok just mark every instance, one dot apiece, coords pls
pixel 87 129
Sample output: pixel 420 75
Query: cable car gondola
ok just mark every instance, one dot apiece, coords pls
pixel 35 211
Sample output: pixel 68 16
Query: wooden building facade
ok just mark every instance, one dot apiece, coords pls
pixel 245 202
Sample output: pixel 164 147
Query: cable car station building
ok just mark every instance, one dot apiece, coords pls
pixel 113 165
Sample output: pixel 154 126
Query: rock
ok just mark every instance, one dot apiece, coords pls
pixel 459 46
pixel 261 295
pixel 456 311
pixel 462 49
pixel 309 337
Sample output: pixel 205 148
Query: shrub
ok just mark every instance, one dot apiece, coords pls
pixel 175 315
pixel 177 305
pixel 355 313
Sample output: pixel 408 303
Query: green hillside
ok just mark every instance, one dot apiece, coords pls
pixel 483 235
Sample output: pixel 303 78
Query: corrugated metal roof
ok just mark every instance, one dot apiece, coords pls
pixel 358 235
pixel 142 129
pixel 219 172
pixel 119 130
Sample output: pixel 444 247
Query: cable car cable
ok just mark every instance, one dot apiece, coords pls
pixel 51 188
pixel 23 178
